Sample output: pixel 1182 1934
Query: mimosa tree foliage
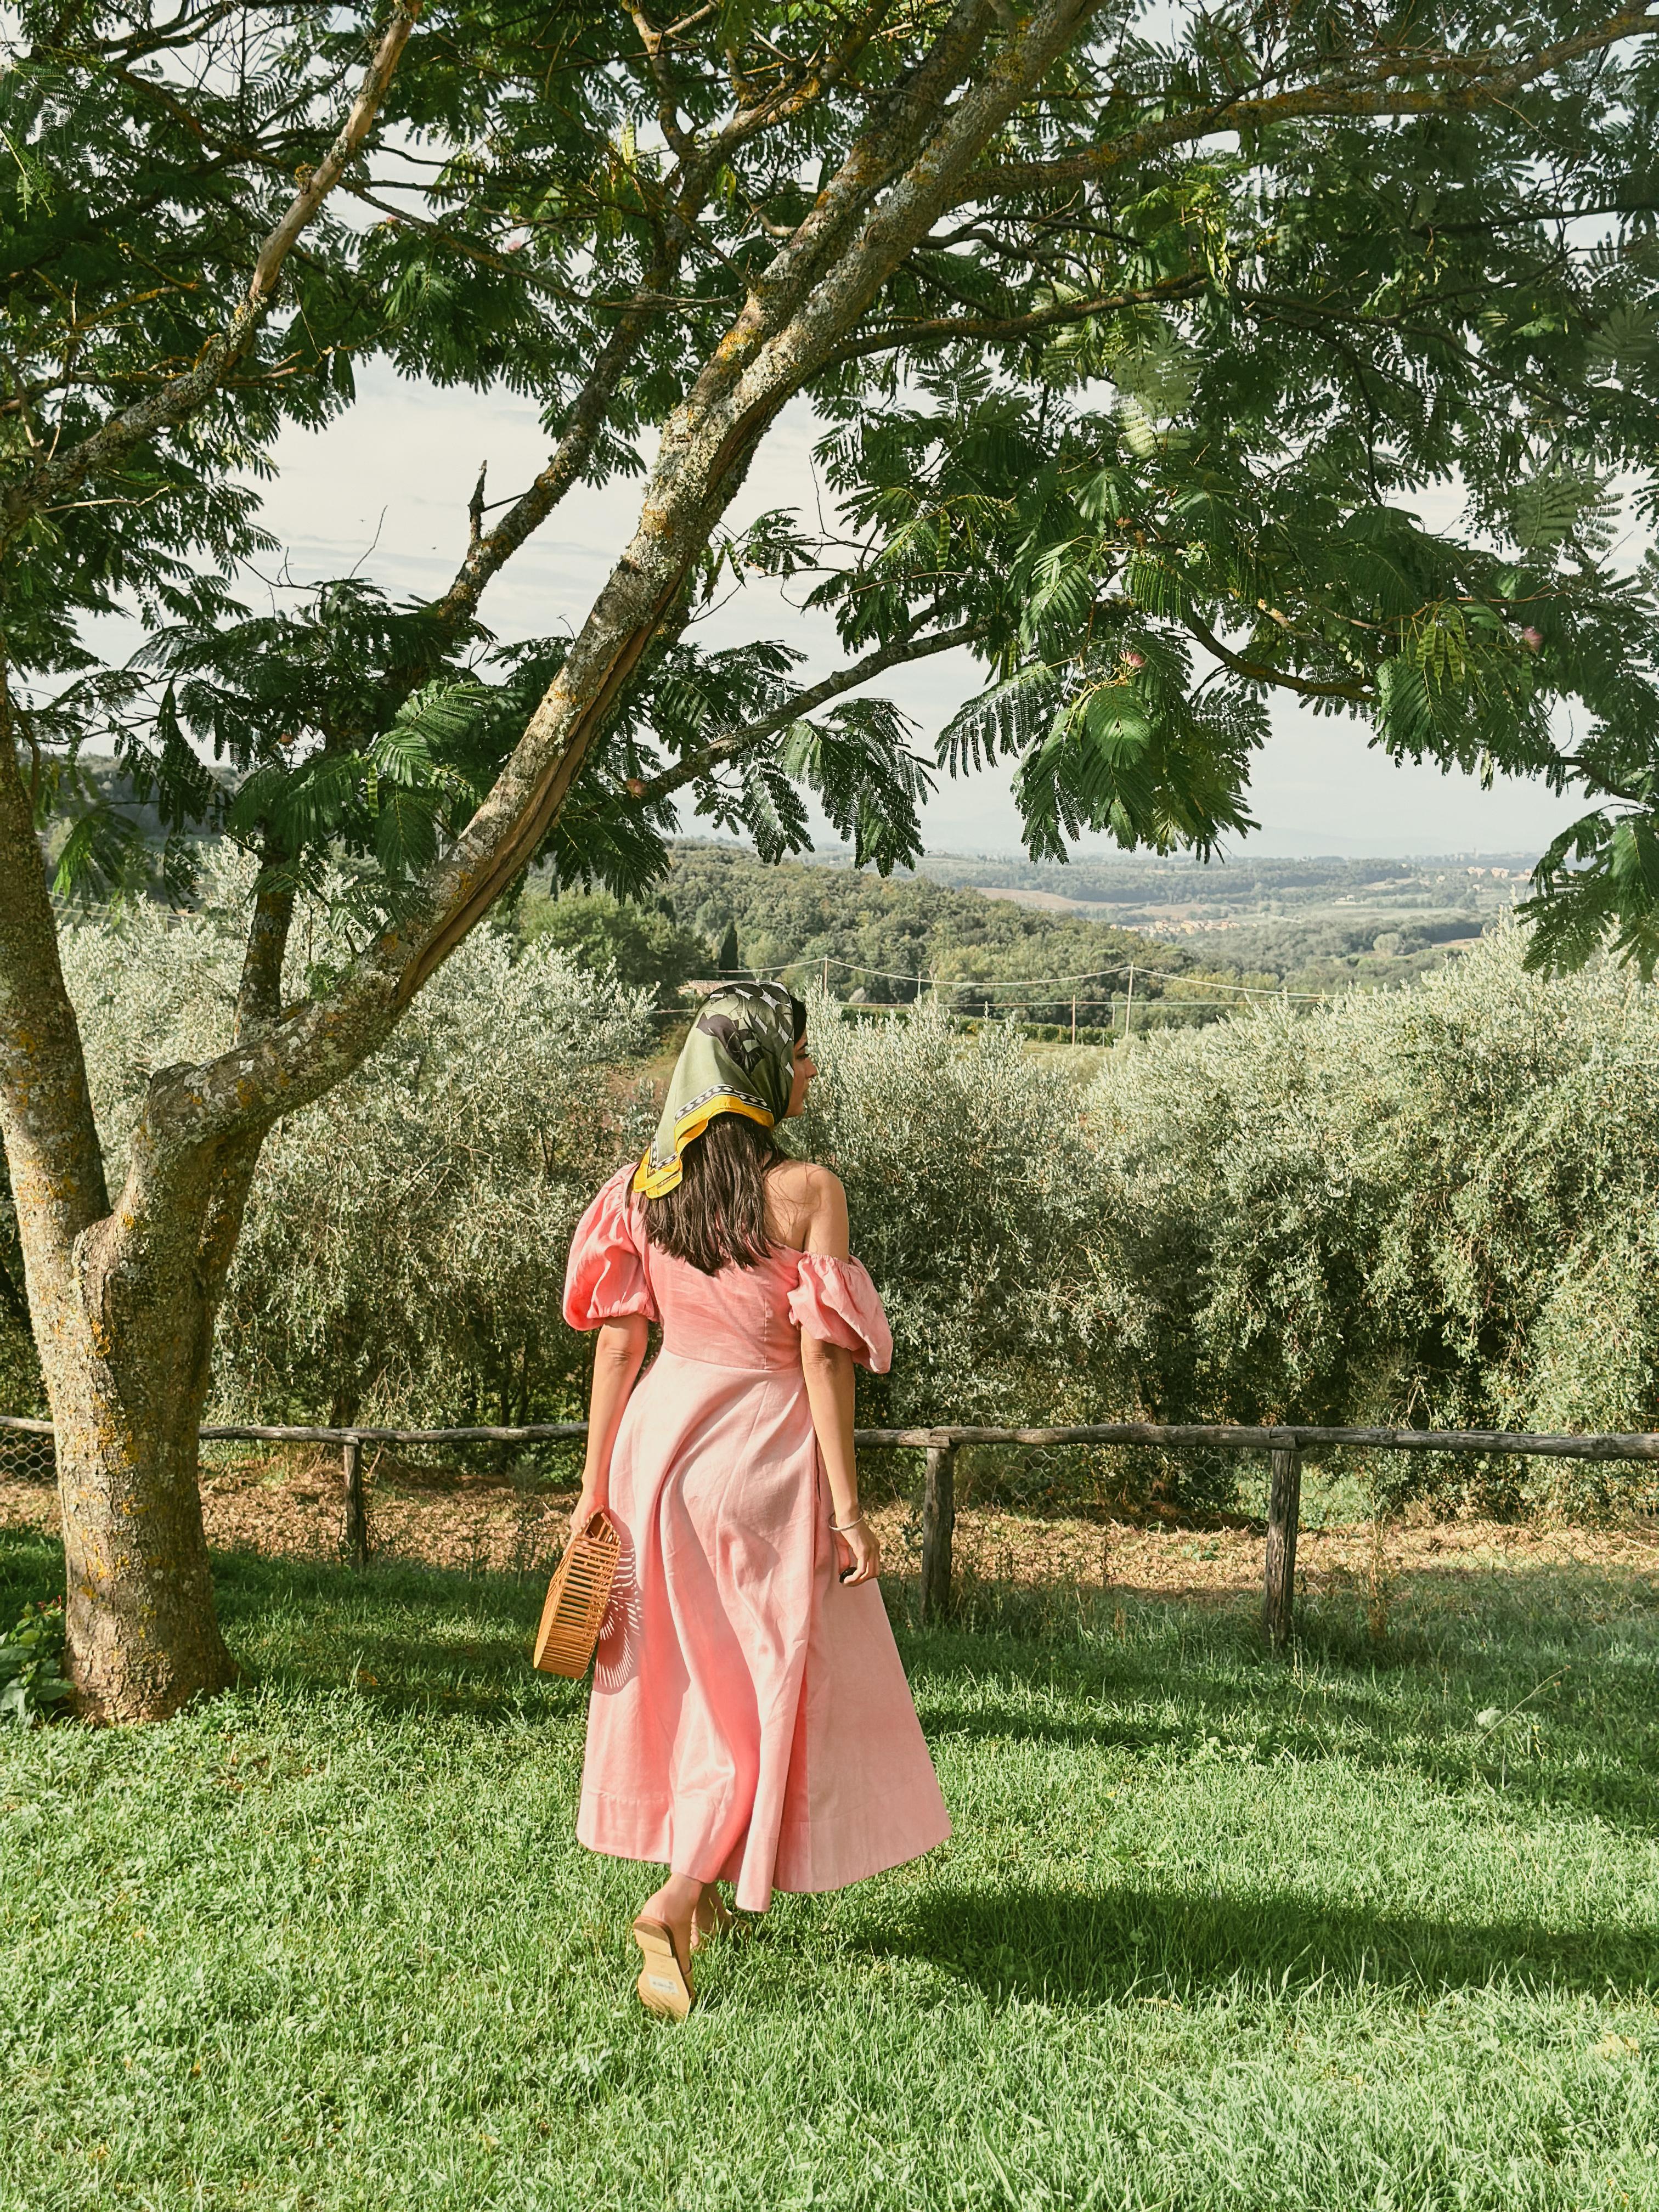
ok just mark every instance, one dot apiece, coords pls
pixel 1310 349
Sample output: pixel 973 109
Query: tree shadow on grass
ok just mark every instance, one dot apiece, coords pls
pixel 1182 1681
pixel 1436 1615
pixel 1565 1719
pixel 404 1636
pixel 1135 1942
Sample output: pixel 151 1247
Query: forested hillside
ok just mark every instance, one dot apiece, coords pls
pixel 1296 925
pixel 1303 925
pixel 888 938
pixel 1315 924
pixel 877 940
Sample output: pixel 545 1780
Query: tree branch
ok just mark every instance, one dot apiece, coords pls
pixel 45 1110
pixel 259 994
pixel 806 85
pixel 815 290
pixel 737 742
pixel 988 329
pixel 53 479
pixel 1262 672
pixel 909 158
pixel 1484 80
pixel 490 549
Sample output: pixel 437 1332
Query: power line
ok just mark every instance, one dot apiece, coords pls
pixel 1147 1007
pixel 1005 982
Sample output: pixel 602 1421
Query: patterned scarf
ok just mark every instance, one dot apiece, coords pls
pixel 738 1059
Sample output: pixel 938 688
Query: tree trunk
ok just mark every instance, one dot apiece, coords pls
pixel 127 1371
pixel 144 1634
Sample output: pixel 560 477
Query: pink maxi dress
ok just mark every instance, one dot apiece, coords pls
pixel 750 1722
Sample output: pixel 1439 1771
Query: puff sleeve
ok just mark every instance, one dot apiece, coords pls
pixel 835 1302
pixel 605 1276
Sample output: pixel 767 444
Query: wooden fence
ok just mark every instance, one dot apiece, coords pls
pixel 1284 1448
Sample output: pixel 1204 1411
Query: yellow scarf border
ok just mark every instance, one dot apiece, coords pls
pixel 657 1182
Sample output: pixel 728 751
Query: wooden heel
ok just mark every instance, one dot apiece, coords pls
pixel 665 1983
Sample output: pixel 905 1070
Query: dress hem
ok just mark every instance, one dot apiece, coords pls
pixel 808 1887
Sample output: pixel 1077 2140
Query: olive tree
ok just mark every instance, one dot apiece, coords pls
pixel 976 1197
pixel 1433 1208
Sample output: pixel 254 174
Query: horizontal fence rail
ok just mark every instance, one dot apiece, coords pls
pixel 1642 1445
pixel 1284 1446
pixel 1298 1437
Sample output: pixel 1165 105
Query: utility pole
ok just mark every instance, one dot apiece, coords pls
pixel 1074 1018
pixel 1129 1004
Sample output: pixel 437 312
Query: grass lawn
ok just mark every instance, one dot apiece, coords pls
pixel 1350 1929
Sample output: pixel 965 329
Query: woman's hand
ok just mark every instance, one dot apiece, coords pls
pixel 857 1550
pixel 590 1503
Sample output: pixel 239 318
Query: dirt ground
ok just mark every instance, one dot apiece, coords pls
pixel 449 1517
pixel 1227 1563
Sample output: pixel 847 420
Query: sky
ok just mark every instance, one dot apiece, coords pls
pixel 384 490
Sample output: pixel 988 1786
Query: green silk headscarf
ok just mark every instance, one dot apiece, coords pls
pixel 738 1059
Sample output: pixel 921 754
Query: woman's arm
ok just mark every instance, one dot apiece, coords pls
pixel 827 1369
pixel 616 1358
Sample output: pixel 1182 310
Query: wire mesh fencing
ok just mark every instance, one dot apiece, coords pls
pixel 29 1455
pixel 496 1501
pixel 489 1506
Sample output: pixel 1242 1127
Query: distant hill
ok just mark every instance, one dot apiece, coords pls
pixel 955 923
pixel 1317 925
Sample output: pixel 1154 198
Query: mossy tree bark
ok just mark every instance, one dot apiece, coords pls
pixel 123 1302
pixel 127 1374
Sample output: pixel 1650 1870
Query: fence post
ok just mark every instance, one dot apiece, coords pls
pixel 354 1531
pixel 939 1521
pixel 1283 1510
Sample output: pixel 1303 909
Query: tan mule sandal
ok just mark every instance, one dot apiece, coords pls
pixel 665 1985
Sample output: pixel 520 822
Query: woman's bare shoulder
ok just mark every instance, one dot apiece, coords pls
pixel 802 1178
pixel 811 1207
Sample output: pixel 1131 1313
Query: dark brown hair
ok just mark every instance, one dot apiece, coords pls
pixel 716 1215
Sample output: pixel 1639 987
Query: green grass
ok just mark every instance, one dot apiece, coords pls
pixel 1214 1929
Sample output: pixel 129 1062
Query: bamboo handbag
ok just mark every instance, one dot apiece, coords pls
pixel 576 1599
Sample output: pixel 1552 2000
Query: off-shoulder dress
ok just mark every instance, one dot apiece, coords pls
pixel 750 1722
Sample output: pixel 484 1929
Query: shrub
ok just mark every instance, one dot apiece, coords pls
pixel 32 1665
pixel 1434 1206
pixel 22 1388
pixel 404 1252
pixel 974 1198
pixel 643 947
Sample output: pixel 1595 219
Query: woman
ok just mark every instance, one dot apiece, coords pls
pixel 750 1722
